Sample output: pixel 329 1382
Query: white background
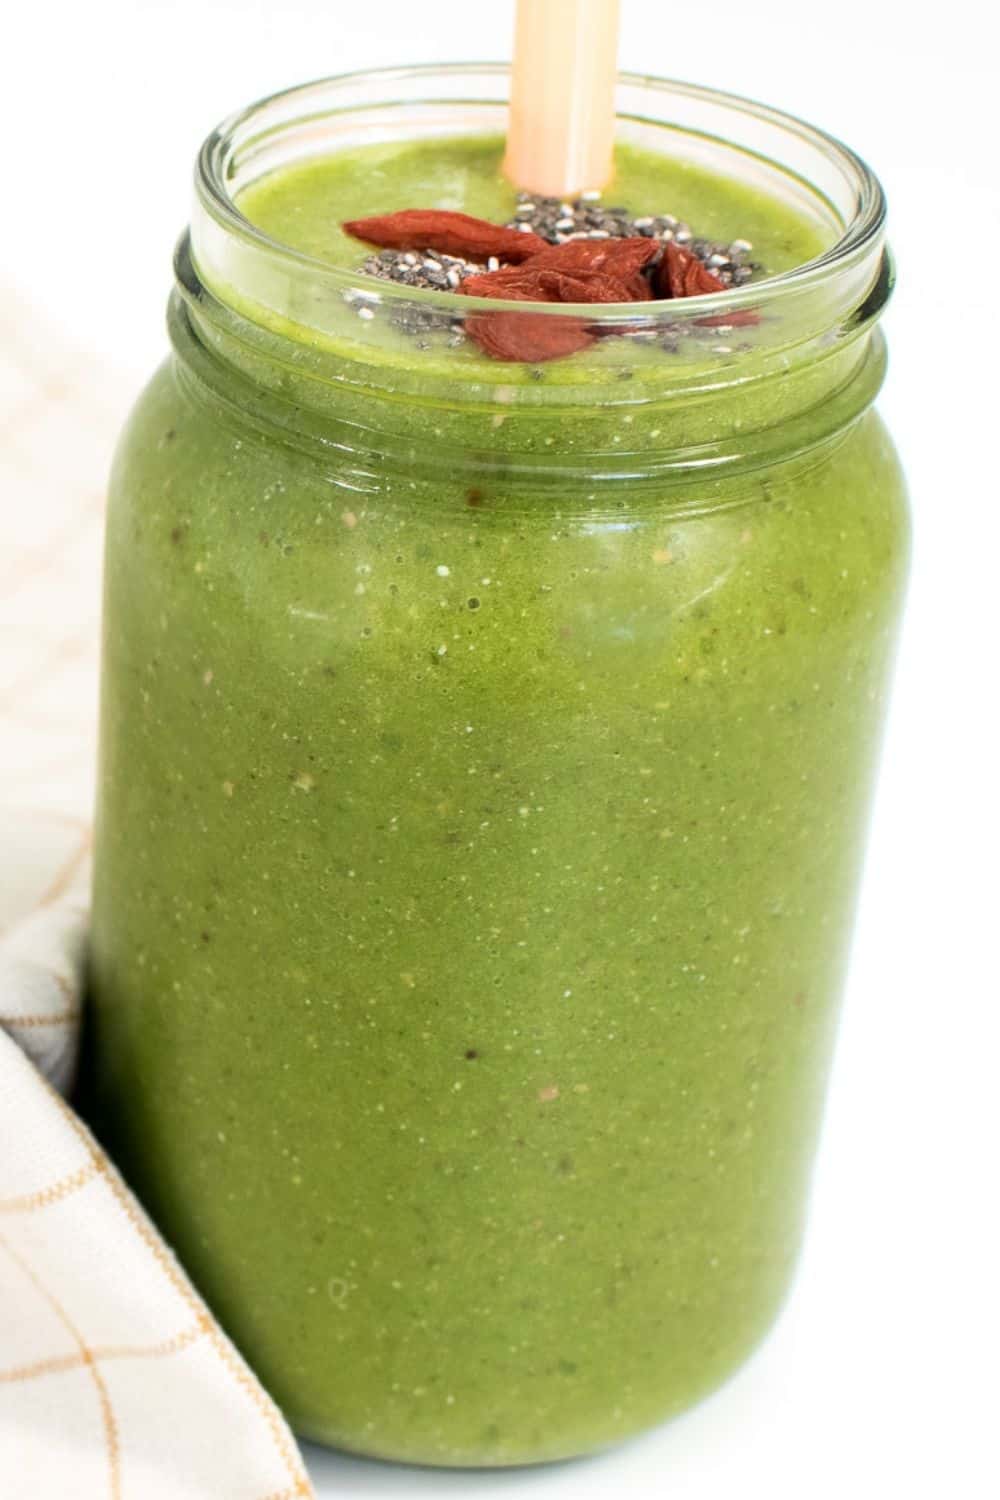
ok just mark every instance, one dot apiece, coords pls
pixel 881 1379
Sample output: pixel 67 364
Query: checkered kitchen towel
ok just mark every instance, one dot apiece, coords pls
pixel 115 1381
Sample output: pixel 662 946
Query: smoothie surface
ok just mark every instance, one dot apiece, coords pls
pixel 304 206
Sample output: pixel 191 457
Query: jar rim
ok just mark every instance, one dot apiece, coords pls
pixel 858 245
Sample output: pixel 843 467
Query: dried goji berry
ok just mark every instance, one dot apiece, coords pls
pixel 682 274
pixel 529 337
pixel 545 284
pixel 445 231
pixel 616 257
pixel 593 287
pixel 511 283
pixel 536 337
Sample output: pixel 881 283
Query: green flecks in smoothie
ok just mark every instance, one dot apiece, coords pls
pixel 304 206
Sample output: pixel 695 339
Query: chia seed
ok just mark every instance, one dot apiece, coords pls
pixel 429 271
pixel 586 217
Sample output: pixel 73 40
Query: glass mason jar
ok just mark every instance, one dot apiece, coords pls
pixel 485 765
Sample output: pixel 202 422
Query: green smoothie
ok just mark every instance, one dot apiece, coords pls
pixel 479 823
pixel 305 206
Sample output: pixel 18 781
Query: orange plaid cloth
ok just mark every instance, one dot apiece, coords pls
pixel 115 1381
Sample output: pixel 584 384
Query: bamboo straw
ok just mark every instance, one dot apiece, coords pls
pixel 562 102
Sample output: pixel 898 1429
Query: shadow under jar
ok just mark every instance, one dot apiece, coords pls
pixel 485 765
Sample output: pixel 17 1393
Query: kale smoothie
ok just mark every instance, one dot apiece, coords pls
pixel 486 752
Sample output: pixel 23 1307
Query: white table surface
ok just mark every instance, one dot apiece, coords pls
pixel 880 1379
